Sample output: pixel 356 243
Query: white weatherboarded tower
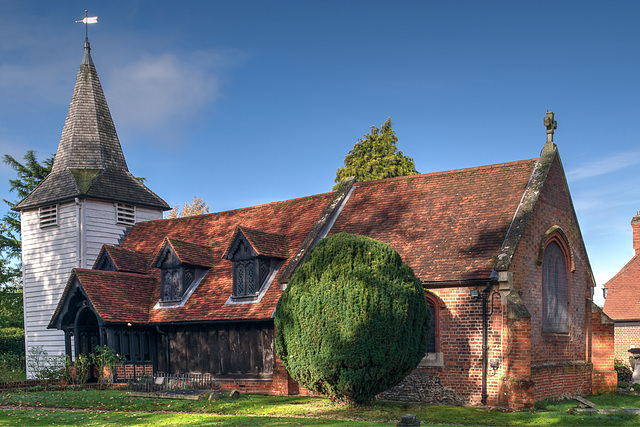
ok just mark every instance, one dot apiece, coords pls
pixel 89 199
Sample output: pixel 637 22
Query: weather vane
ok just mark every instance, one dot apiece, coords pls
pixel 88 20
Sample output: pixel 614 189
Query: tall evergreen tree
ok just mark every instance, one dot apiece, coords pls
pixel 376 156
pixel 29 175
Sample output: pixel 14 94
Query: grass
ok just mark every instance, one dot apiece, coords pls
pixel 96 407
pixel 74 418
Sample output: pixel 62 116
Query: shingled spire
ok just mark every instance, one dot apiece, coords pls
pixel 89 161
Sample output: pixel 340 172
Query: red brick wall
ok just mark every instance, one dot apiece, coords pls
pixel 532 364
pixel 461 344
pixel 127 371
pixel 516 386
pixel 561 380
pixel 635 225
pixel 626 337
pixel 283 384
pixel 604 376
pixel 554 208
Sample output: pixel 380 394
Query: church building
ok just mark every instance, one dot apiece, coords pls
pixel 497 248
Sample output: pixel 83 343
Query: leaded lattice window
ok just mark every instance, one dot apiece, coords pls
pixel 255 256
pixel 249 275
pixel 175 281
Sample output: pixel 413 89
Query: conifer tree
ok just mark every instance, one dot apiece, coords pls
pixel 376 156
pixel 29 175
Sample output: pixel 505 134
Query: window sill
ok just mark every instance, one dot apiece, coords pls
pixel 556 336
pixel 245 298
pixel 432 360
pixel 168 301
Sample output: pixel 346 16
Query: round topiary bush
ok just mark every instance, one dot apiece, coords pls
pixel 353 320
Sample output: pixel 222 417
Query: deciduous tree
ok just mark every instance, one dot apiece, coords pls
pixel 376 156
pixel 198 207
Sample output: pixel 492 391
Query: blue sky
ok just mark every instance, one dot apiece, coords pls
pixel 256 101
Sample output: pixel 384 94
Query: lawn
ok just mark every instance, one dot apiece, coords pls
pixel 114 407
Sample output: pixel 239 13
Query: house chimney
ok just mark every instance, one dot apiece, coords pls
pixel 635 225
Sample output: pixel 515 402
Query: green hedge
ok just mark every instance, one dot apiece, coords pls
pixel 12 341
pixel 11 314
pixel 353 321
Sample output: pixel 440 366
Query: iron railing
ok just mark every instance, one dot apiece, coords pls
pixel 160 381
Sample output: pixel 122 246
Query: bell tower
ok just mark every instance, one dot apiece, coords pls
pixel 89 199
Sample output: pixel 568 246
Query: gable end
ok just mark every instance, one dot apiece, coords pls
pixel 525 208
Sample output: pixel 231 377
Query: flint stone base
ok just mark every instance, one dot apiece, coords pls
pixel 422 387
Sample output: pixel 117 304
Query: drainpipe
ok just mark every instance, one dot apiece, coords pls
pixel 79 233
pixel 485 295
pixel 485 341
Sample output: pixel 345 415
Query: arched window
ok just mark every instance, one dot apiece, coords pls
pixel 431 343
pixel 433 346
pixel 555 289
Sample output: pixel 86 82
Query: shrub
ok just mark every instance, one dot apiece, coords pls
pixel 44 366
pixel 353 321
pixel 12 367
pixel 83 367
pixel 623 370
pixel 11 313
pixel 102 357
pixel 12 341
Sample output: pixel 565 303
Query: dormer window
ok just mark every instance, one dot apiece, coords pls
pixel 182 266
pixel 249 275
pixel 256 257
pixel 175 281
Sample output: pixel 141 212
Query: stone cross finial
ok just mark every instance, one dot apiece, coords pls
pixel 551 125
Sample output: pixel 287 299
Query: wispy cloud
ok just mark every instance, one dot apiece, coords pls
pixel 157 89
pixel 25 84
pixel 605 166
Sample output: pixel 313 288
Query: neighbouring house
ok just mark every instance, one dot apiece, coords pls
pixel 622 300
pixel 498 250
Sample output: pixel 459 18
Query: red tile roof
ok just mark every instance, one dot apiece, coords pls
pixel 265 244
pixel 118 297
pixel 447 226
pixel 292 218
pixel 128 261
pixel 623 292
pixel 192 253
